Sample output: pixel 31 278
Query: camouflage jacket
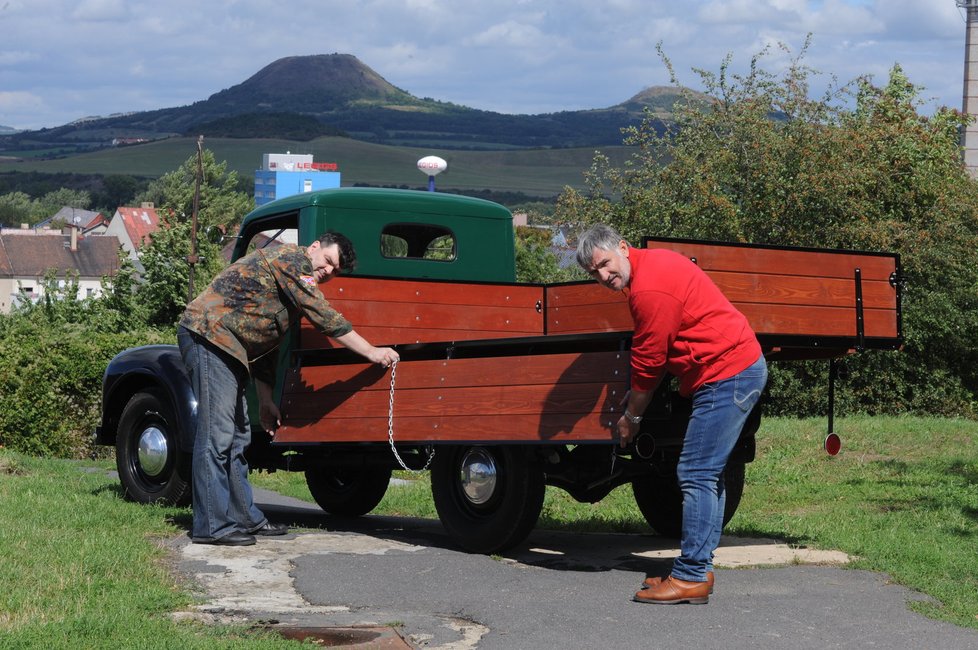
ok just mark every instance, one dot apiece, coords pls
pixel 248 308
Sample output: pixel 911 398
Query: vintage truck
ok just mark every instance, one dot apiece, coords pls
pixel 502 388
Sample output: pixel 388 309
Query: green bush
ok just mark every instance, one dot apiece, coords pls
pixel 52 357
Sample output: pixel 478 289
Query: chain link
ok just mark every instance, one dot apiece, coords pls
pixel 390 430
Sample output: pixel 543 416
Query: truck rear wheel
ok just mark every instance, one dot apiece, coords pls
pixel 487 497
pixel 348 493
pixel 661 501
pixel 152 468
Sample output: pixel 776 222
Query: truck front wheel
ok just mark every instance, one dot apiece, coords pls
pixel 488 498
pixel 661 501
pixel 348 493
pixel 152 468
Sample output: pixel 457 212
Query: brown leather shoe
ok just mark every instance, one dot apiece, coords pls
pixel 673 591
pixel 654 580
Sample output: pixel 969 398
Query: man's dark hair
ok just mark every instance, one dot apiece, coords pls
pixel 348 256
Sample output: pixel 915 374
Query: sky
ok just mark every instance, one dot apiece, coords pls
pixel 61 60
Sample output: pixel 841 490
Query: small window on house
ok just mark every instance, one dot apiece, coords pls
pixel 418 241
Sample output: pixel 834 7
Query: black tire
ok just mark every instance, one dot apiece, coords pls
pixel 152 467
pixel 489 515
pixel 348 493
pixel 661 501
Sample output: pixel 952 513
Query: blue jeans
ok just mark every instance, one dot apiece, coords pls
pixel 720 410
pixel 222 498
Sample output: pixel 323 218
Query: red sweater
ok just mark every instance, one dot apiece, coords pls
pixel 684 325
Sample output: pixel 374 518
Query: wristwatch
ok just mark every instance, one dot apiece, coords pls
pixel 634 419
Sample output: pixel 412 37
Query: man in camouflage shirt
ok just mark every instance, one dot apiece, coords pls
pixel 231 331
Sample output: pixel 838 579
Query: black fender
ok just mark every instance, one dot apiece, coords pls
pixel 136 369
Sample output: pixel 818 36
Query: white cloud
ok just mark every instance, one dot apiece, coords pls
pixel 19 101
pixel 101 11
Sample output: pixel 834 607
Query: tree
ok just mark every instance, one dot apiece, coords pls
pixel 166 277
pixel 50 203
pixel 536 261
pixel 221 203
pixel 859 168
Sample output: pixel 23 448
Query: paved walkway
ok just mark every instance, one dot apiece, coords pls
pixel 400 583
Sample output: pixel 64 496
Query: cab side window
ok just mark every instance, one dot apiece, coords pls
pixel 418 241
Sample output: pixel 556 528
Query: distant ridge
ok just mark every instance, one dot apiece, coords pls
pixel 343 96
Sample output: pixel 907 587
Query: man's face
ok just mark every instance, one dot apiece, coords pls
pixel 325 260
pixel 611 268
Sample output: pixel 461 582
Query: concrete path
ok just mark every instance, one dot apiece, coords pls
pixel 401 583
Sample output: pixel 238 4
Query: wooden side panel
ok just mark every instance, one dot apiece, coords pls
pixel 801 292
pixel 782 292
pixel 589 307
pixel 391 311
pixel 533 398
pixel 774 261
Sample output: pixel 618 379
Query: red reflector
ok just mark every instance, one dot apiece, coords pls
pixel 833 444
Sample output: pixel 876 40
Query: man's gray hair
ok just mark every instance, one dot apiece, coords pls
pixel 600 236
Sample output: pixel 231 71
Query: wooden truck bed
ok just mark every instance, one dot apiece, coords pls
pixel 549 363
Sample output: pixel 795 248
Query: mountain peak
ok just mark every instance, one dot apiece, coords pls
pixel 314 83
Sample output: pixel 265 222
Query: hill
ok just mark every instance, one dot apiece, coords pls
pixel 330 94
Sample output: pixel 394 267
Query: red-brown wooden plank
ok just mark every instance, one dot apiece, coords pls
pixel 544 369
pixel 586 293
pixel 578 319
pixel 817 321
pixel 748 259
pixel 431 292
pixel 472 402
pixel 544 427
pixel 313 340
pixel 803 290
pixel 502 318
pixel 798 319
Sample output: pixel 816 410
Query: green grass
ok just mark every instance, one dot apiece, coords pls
pixel 83 568
pixel 902 498
pixel 537 172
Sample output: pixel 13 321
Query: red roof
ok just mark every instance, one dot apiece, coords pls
pixel 99 219
pixel 140 223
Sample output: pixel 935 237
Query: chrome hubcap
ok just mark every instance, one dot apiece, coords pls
pixel 152 451
pixel 478 475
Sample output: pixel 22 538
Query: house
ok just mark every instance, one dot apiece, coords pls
pixel 133 227
pixel 67 216
pixel 27 256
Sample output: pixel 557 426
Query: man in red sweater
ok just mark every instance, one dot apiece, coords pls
pixel 685 327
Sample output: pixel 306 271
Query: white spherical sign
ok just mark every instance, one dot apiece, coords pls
pixel 432 165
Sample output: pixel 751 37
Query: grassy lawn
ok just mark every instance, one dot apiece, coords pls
pixel 83 568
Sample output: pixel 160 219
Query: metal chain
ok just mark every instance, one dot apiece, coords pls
pixel 390 430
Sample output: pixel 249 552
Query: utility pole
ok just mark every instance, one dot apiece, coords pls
pixel 969 105
pixel 192 259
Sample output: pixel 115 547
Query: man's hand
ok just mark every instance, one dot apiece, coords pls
pixel 385 357
pixel 268 414
pixel 269 417
pixel 626 431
